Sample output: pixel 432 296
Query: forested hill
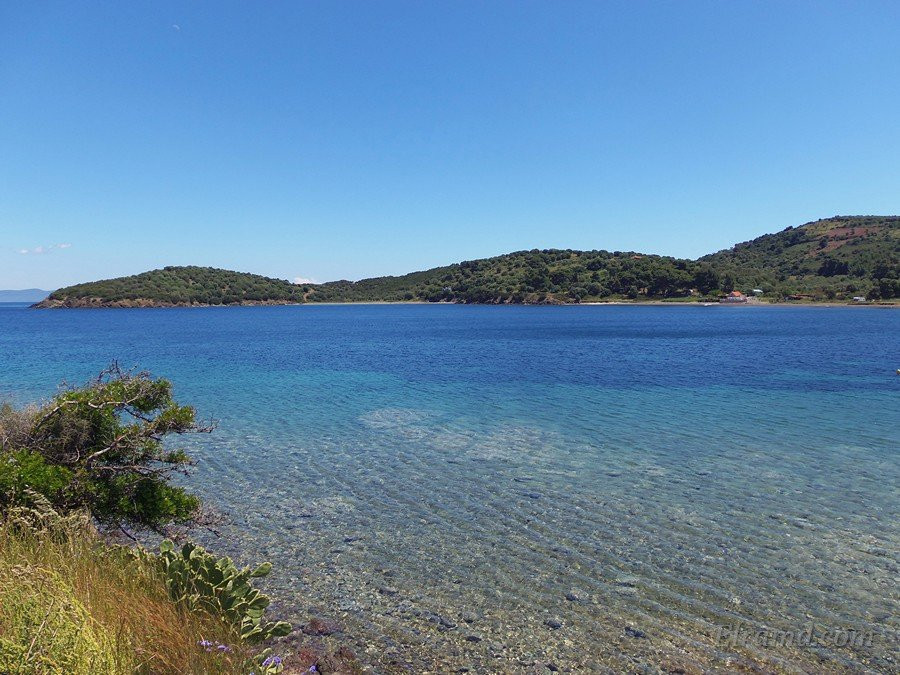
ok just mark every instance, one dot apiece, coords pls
pixel 175 286
pixel 834 259
pixel 535 277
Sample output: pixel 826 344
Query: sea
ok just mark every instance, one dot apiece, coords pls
pixel 533 488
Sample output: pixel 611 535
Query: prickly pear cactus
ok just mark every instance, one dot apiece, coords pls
pixel 199 580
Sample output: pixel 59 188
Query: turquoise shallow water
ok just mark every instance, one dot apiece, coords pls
pixel 447 480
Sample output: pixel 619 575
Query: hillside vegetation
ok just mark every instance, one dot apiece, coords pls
pixel 535 277
pixel 178 286
pixel 834 259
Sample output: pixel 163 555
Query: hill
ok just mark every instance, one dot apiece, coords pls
pixel 178 286
pixel 538 276
pixel 833 259
pixel 836 258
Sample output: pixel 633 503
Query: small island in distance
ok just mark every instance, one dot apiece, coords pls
pixel 839 259
pixel 23 295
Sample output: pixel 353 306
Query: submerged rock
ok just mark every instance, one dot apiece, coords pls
pixel 318 626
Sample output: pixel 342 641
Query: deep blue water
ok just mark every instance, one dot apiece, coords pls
pixel 676 470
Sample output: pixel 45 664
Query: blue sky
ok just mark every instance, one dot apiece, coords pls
pixel 332 140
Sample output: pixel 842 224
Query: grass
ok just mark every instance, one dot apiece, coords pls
pixel 70 603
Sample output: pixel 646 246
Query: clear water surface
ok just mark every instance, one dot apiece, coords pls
pixel 447 480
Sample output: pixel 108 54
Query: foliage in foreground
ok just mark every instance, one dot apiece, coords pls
pixel 71 603
pixel 199 581
pixel 100 447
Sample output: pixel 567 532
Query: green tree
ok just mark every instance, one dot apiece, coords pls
pixel 706 279
pixel 727 283
pixel 105 440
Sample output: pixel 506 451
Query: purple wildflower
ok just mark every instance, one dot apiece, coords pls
pixel 223 648
pixel 206 644
pixel 272 661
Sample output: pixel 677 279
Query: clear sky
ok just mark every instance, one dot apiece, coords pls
pixel 330 140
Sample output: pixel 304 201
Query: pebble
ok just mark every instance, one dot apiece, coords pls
pixel 553 623
pixel 634 632
pixel 442 621
pixel 472 637
pixel 572 596
pixel 388 590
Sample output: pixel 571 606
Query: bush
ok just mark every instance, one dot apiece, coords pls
pixel 100 447
pixel 22 471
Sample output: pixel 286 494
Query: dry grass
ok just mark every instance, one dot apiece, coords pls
pixel 71 604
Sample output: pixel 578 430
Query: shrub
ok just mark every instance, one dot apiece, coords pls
pixel 100 447
pixel 22 471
